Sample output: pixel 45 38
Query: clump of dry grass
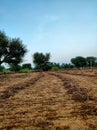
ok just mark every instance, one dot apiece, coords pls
pixel 42 123
pixel 77 96
pixel 80 94
pixel 88 109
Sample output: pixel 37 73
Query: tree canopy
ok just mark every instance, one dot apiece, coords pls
pixel 12 51
pixel 79 61
pixel 4 43
pixel 41 60
pixel 91 61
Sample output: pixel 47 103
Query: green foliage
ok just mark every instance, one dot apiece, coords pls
pixel 79 61
pixel 12 51
pixel 41 61
pixel 67 66
pixel 15 68
pixel 2 68
pixel 28 65
pixel 25 70
pixel 91 61
pixel 84 62
pixel 4 43
pixel 6 70
pixel 55 68
pixel 16 51
pixel 95 65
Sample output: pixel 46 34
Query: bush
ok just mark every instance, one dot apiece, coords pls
pixel 6 70
pixel 25 70
pixel 55 68
pixel 26 66
pixel 15 68
pixel 1 68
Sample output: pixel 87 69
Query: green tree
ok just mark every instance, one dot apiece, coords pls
pixel 41 61
pixel 95 65
pixel 4 44
pixel 16 51
pixel 2 68
pixel 15 67
pixel 12 51
pixel 79 61
pixel 91 61
pixel 67 66
pixel 26 66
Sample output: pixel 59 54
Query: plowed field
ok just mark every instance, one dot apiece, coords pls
pixel 48 101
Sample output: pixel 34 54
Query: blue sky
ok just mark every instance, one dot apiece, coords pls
pixel 65 28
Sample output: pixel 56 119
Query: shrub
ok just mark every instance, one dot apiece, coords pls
pixel 25 70
pixel 26 66
pixel 1 68
pixel 55 69
pixel 6 70
pixel 15 68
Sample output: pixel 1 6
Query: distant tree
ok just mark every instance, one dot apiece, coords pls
pixel 67 66
pixel 55 65
pixel 28 66
pixel 91 61
pixel 95 65
pixel 41 60
pixel 79 61
pixel 55 68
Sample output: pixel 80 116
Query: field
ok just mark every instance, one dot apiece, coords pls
pixel 61 100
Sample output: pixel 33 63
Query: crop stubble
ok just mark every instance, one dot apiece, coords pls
pixel 49 101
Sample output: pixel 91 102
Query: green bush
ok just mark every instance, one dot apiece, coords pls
pixel 25 70
pixel 26 66
pixel 55 68
pixel 1 68
pixel 6 70
pixel 15 68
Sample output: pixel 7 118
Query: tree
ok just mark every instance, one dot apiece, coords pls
pixel 15 67
pixel 95 65
pixel 67 66
pixel 27 66
pixel 11 51
pixel 4 44
pixel 91 61
pixel 41 60
pixel 16 51
pixel 79 61
pixel 2 68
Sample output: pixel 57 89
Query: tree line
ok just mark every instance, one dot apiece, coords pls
pixel 12 51
pixel 42 62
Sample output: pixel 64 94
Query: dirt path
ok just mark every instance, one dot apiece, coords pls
pixel 44 105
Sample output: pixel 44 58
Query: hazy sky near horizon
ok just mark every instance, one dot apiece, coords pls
pixel 65 28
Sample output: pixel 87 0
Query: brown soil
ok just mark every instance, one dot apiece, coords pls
pixel 48 101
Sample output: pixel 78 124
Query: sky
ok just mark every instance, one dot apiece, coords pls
pixel 63 28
